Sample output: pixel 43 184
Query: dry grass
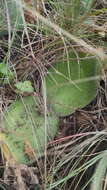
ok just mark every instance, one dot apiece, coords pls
pixel 81 136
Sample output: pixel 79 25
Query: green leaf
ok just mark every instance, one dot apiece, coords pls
pixel 72 84
pixel 5 74
pixel 87 4
pixel 10 16
pixel 25 86
pixel 99 176
pixel 4 69
pixel 24 125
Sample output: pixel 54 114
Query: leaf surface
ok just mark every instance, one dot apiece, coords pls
pixel 72 84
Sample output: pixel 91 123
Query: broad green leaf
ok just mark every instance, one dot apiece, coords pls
pixel 27 131
pixel 72 84
pixel 25 86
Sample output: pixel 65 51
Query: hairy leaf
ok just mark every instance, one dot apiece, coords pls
pixel 26 131
pixel 72 83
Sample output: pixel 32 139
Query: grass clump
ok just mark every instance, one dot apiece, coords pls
pixel 58 42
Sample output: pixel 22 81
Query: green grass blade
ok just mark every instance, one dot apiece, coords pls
pixel 100 172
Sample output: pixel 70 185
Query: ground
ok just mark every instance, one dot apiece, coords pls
pixel 81 137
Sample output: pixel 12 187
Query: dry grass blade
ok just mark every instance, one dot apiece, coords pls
pixel 76 158
pixel 98 52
